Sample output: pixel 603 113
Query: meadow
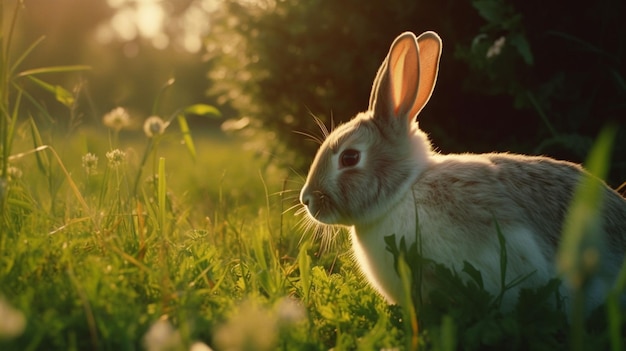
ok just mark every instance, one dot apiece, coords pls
pixel 114 240
pixel 173 238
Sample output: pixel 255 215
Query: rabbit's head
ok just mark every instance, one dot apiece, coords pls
pixel 365 166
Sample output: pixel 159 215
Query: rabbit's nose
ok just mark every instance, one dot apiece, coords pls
pixel 305 196
pixel 305 200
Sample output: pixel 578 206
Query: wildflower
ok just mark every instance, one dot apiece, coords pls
pixel 199 346
pixel 154 126
pixel 496 48
pixel 251 328
pixel 289 311
pixel 117 119
pixel 162 337
pixel 12 323
pixel 90 163
pixel 14 173
pixel 116 157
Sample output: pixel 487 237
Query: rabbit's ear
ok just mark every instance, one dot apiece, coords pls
pixel 406 78
pixel 403 73
pixel 429 45
pixel 375 87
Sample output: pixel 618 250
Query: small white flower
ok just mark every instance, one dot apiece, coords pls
pixel 117 119
pixel 154 126
pixel 12 321
pixel 251 328
pixel 289 311
pixel 14 173
pixel 200 346
pixel 116 157
pixel 90 163
pixel 496 48
pixel 162 337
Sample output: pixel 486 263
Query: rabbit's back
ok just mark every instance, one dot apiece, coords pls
pixel 462 198
pixel 532 191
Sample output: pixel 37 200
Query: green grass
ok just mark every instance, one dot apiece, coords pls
pixel 210 255
pixel 91 266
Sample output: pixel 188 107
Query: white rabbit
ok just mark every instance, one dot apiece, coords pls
pixel 378 172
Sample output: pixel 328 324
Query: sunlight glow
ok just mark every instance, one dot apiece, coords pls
pixel 148 19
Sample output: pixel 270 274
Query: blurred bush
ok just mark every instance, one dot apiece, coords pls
pixel 522 76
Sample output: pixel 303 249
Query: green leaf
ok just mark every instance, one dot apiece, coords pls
pixel 473 273
pixel 491 10
pixel 46 86
pixel 519 41
pixel 203 110
pixel 184 128
pixel 63 96
pixel 304 265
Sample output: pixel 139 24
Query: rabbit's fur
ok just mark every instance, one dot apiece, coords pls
pixel 379 175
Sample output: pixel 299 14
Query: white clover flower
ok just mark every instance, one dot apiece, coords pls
pixel 289 311
pixel 12 321
pixel 154 126
pixel 116 157
pixel 251 328
pixel 162 337
pixel 14 173
pixel 496 48
pixel 90 163
pixel 117 119
pixel 200 346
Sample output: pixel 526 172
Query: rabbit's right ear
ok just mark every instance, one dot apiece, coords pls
pixel 406 78
pixel 429 44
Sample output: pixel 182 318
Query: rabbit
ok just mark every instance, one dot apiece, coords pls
pixel 378 174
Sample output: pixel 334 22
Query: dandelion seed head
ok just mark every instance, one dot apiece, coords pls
pixel 117 119
pixel 116 157
pixel 154 126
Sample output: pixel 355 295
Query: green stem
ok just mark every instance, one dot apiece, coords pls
pixel 146 153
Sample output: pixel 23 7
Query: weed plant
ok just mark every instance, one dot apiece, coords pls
pixel 110 242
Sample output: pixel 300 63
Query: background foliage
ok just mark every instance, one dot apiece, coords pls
pixel 555 80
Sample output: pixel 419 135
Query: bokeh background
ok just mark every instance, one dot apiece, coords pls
pixel 527 76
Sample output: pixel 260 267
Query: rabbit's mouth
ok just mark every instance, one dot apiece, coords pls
pixel 321 207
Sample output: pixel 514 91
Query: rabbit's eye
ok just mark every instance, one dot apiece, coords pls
pixel 349 158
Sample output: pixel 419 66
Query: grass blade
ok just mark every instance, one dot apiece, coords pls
pixel 25 54
pixel 61 94
pixel 42 159
pixel 53 69
pixel 162 195
pixel 581 229
pixel 184 128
